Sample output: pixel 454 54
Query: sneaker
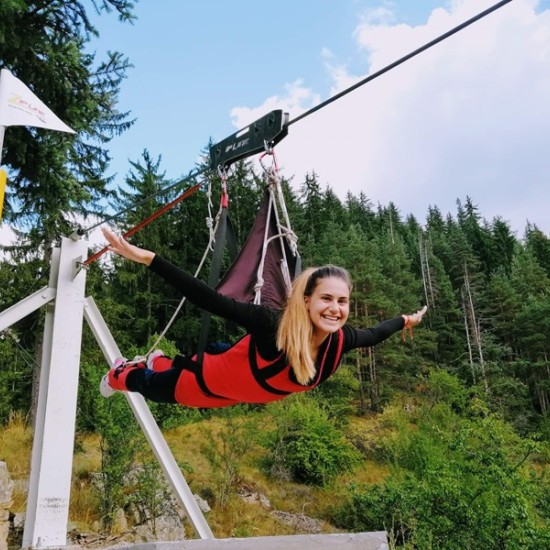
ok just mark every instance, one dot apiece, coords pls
pixel 153 357
pixel 105 388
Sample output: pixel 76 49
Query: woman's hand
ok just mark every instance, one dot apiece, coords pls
pixel 413 320
pixel 121 246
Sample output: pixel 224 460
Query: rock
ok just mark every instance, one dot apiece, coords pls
pixel 120 524
pixel 18 521
pixel 252 497
pixel 4 531
pixel 6 487
pixel 133 513
pixel 6 495
pixel 301 523
pixel 203 505
pixel 144 533
pixel 168 528
pixel 21 486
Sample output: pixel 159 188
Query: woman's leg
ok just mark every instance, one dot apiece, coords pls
pixel 155 386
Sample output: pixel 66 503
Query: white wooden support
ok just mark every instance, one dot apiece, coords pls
pixel 25 307
pixel 149 426
pixel 53 446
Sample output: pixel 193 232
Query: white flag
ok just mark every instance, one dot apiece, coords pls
pixel 20 107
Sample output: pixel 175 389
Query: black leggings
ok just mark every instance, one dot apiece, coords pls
pixel 155 386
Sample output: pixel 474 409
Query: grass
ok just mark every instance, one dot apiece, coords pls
pixel 15 446
pixel 235 518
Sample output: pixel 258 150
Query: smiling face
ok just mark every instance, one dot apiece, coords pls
pixel 328 306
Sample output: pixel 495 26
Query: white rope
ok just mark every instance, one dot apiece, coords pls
pixel 276 201
pixel 260 271
pixel 212 225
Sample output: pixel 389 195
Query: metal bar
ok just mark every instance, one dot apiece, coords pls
pixel 26 306
pixel 38 439
pixel 148 425
pixel 266 131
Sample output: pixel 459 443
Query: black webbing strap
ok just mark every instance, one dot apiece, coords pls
pixel 232 246
pixel 225 234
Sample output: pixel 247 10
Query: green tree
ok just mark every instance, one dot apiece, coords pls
pixel 458 480
pixel 539 245
pixel 52 175
pixel 312 222
pixel 306 446
pixel 478 235
pixel 360 211
pixel 445 318
pixel 534 321
pixel 502 245
pixel 137 288
pixel 55 177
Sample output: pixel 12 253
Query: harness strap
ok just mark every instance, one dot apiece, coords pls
pixel 261 375
pixel 184 363
pixel 213 279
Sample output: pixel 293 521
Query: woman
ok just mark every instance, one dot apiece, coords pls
pixel 283 352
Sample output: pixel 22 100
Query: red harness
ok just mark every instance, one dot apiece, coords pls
pixel 241 375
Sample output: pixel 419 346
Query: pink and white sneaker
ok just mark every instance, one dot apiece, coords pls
pixel 105 388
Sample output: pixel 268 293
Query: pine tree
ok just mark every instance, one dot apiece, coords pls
pixel 55 177
pixel 477 234
pixel 445 318
pixel 360 212
pixel 502 246
pixel 312 223
pixel 539 245
pixel 52 175
pixel 135 287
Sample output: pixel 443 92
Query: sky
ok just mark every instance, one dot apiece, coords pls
pixel 470 117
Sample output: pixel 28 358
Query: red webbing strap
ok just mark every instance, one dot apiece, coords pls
pixel 147 221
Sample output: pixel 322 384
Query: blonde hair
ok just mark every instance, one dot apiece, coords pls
pixel 295 331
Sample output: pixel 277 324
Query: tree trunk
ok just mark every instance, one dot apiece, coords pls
pixel 468 341
pixel 359 367
pixel 374 396
pixel 423 269
pixel 475 327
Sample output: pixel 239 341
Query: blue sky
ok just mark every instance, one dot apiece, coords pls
pixel 196 61
pixel 469 117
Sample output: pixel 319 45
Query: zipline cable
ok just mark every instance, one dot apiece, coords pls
pixel 401 60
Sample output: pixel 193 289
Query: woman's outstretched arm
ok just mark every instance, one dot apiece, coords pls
pixel 356 338
pixel 248 315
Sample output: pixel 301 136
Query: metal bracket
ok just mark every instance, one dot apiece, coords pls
pixel 265 132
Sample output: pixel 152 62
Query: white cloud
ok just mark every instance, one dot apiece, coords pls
pixel 296 100
pixel 470 116
pixel 94 238
pixel 7 236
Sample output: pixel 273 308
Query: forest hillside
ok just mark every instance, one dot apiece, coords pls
pixel 442 439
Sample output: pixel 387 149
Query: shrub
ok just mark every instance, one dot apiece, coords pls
pixel 454 485
pixel 306 445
